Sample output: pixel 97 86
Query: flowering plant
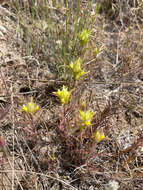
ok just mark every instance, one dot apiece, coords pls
pixel 76 68
pixel 30 107
pixel 63 95
pixel 85 118
pixel 97 137
pixel 84 37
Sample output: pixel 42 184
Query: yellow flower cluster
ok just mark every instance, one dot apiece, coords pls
pixel 76 68
pixel 30 107
pixel 85 118
pixel 84 37
pixel 97 137
pixel 63 95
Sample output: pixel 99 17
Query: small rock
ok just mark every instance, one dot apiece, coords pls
pixel 112 185
pixel 3 29
pixel 91 188
pixel 1 34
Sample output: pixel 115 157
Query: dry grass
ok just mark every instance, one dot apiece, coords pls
pixel 34 152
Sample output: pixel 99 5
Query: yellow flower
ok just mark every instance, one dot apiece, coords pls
pixel 64 95
pixel 76 68
pixel 97 137
pixel 84 37
pixel 30 107
pixel 85 118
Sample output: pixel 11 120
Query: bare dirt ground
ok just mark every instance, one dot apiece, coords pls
pixel 116 83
